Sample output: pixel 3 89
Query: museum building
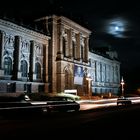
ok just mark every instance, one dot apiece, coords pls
pixel 54 57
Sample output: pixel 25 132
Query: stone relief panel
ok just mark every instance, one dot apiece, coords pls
pixel 68 68
pixel 25 50
pixel 82 45
pixel 38 53
pixel 8 45
pixel 82 41
pixel 64 33
pixel 73 36
pixel 65 42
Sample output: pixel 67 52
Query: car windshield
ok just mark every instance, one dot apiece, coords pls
pixel 46 97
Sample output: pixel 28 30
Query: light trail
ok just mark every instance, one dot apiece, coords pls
pixel 91 104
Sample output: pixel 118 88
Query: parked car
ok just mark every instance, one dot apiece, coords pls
pixel 56 102
pixel 123 101
pixel 19 105
pixel 36 103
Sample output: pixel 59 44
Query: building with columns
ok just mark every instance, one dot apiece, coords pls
pixel 105 73
pixel 54 60
pixel 23 63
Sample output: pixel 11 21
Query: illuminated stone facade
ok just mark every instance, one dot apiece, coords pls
pixel 23 65
pixel 105 74
pixel 36 62
pixel 69 47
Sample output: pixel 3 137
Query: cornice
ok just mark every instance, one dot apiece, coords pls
pixel 74 25
pixel 11 26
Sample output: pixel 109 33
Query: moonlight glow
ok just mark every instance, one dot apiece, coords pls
pixel 116 27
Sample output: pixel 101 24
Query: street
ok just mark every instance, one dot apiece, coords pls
pixel 91 104
pixel 118 121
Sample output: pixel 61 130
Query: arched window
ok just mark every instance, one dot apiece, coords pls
pixel 7 66
pixel 24 67
pixel 38 70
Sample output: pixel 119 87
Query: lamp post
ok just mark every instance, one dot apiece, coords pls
pixel 8 87
pixel 89 79
pixel 122 86
pixel 26 84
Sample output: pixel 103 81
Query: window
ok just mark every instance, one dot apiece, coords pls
pixel 82 52
pixel 7 66
pixel 38 70
pixel 24 67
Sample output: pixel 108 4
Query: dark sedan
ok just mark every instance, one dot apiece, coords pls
pixel 20 104
pixel 57 103
pixel 63 104
pixel 25 104
pixel 123 101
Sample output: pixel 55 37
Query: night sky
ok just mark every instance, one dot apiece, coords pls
pixel 115 23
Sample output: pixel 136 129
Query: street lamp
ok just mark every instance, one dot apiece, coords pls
pixel 8 87
pixel 26 84
pixel 122 86
pixel 89 79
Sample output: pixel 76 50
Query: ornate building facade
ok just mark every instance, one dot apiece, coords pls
pixel 53 61
pixel 105 74
pixel 23 65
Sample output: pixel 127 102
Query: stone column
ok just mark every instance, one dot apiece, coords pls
pixel 32 75
pixel 17 56
pixel 60 42
pixel 66 36
pixel 45 67
pixel 2 35
pixel 60 48
pixel 45 63
pixel 78 46
pixel 70 44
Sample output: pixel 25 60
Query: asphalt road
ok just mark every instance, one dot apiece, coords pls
pixel 109 122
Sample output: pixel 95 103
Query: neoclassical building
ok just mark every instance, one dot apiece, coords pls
pixel 53 60
pixel 105 73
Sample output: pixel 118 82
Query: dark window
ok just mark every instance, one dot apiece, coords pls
pixel 7 66
pixel 38 70
pixel 82 53
pixel 24 67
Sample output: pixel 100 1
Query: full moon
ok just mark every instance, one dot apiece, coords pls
pixel 116 27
